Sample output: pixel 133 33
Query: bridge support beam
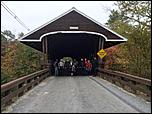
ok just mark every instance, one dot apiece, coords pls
pixel 45 51
pixel 101 46
pixel 102 43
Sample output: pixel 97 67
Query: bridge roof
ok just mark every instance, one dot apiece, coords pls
pixel 73 21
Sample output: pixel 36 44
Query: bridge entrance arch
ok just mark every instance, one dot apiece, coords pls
pixel 75 44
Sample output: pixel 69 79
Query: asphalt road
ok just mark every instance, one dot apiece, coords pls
pixel 74 95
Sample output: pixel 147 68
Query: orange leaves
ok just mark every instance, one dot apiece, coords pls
pixel 8 59
pixel 112 50
pixel 111 56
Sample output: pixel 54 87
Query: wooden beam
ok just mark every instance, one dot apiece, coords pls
pixel 46 49
pixel 101 46
pixel 102 43
pixel 43 48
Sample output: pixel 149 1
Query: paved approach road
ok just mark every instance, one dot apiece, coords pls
pixel 74 95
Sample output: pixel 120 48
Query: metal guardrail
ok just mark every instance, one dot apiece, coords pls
pixel 16 88
pixel 137 85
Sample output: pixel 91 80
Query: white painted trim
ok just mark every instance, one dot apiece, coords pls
pixel 56 32
pixel 73 8
pixel 74 27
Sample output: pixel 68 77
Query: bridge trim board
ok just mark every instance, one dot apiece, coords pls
pixel 79 12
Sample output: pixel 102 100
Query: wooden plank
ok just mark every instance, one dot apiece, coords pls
pixel 128 76
pixel 115 76
pixel 18 81
pixel 22 89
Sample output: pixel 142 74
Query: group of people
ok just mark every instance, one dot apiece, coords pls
pixel 75 67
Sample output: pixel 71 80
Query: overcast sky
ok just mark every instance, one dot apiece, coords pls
pixel 36 13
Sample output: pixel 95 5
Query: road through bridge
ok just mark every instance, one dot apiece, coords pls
pixel 78 94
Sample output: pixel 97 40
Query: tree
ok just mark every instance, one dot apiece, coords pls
pixel 9 34
pixel 3 45
pixel 3 78
pixel 132 21
pixel 136 12
pixel 3 53
pixel 20 34
pixel 18 60
pixel 7 62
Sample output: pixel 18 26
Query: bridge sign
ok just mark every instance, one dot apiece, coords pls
pixel 101 53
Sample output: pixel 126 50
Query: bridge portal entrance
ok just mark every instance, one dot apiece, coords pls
pixel 76 46
pixel 72 34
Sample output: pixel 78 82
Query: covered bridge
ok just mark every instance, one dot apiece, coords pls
pixel 73 34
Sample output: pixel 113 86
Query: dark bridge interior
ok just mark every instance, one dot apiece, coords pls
pixel 75 45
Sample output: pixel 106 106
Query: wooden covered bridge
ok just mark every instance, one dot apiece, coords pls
pixel 74 34
pixel 71 34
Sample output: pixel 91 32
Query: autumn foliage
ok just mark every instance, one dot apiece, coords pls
pixel 18 60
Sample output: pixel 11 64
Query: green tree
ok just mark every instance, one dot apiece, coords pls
pixel 20 34
pixel 27 60
pixel 3 44
pixel 9 34
pixel 18 60
pixel 3 53
pixel 136 12
pixel 132 21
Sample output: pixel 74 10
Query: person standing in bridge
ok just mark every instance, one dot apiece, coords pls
pixel 88 67
pixel 81 67
pixel 61 66
pixel 67 68
pixel 85 66
pixel 94 66
pixel 75 62
pixel 73 69
pixel 56 67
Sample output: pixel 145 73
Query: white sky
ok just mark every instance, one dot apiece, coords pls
pixel 36 13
